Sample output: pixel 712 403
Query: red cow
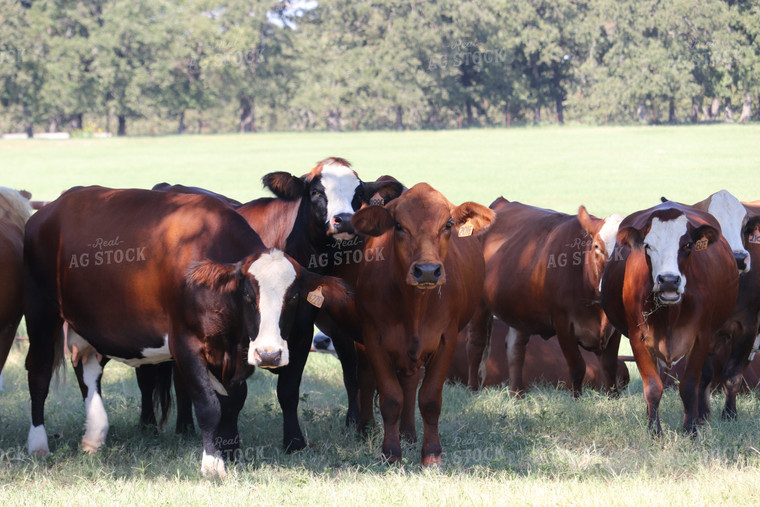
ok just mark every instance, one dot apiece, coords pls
pixel 14 212
pixel 544 362
pixel 739 225
pixel 146 277
pixel 543 270
pixel 673 286
pixel 413 301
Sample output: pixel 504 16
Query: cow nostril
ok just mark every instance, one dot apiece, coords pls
pixel 437 272
pixel 417 272
pixel 337 220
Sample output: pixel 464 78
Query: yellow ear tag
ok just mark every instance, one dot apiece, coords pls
pixel 315 297
pixel 701 244
pixel 465 229
pixel 376 200
pixel 755 236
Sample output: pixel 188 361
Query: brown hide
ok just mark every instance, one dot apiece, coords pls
pixel 668 332
pixel 544 363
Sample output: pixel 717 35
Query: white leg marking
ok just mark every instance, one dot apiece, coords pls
pixel 755 348
pixel 274 274
pixel 663 242
pixel 37 442
pixel 96 425
pixel 211 466
pixel 218 387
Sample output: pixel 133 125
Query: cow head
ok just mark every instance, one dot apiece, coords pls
pixel 333 192
pixel 270 290
pixel 669 234
pixel 602 234
pixel 422 221
pixel 732 217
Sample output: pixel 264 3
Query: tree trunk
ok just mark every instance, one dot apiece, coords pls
pixel 468 110
pixel 694 111
pixel 746 109
pixel 558 94
pixel 122 128
pixel 200 122
pixel 181 126
pixel 641 111
pixel 28 124
pixel 672 110
pixel 53 126
pixel 729 116
pixel 76 121
pixel 715 108
pixel 537 114
pixel 399 118
pixel 246 114
pixel 333 120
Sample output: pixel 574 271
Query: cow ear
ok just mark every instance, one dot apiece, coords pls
pixel 705 231
pixel 753 222
pixel 386 187
pixel 590 223
pixel 25 194
pixel 223 278
pixel 476 214
pixel 372 220
pixel 285 185
pixel 630 237
pixel 335 292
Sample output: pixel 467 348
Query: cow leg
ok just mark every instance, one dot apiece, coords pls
pixel 89 372
pixel 288 387
pixel 733 371
pixel 194 373
pixel 479 336
pixel 704 391
pixel 7 335
pixel 391 394
pixel 146 381
pixel 651 380
pixel 45 329
pixel 184 405
pixel 367 389
pixel 344 347
pixel 516 343
pixel 431 397
pixel 690 383
pixel 409 384
pixel 609 363
pixel 575 362
pixel 228 436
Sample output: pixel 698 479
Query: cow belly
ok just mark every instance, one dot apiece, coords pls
pixel 150 355
pixel 141 356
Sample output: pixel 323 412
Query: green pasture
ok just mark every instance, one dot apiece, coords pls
pixel 546 449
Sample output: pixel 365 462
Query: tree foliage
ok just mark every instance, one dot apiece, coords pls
pixel 251 65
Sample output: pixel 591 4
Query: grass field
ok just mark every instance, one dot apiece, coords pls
pixel 546 449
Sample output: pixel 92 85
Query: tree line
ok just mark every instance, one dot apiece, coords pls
pixel 141 66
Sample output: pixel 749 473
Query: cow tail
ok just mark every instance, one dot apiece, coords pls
pixel 482 369
pixel 59 359
pixel 162 394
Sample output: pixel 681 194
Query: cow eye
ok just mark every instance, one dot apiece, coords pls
pixel 688 246
pixel 314 193
pixel 247 297
pixel 646 247
pixel 399 227
pixel 449 224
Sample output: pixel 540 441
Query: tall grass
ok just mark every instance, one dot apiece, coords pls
pixel 546 449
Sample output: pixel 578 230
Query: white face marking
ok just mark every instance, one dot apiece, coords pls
pixel 151 355
pixel 340 184
pixel 96 425
pixel 663 241
pixel 37 442
pixel 730 213
pixel 211 465
pixel 274 274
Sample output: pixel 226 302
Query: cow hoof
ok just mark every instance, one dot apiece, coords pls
pixel 295 445
pixel 212 466
pixel 90 447
pixel 392 459
pixel 38 441
pixel 728 415
pixel 432 460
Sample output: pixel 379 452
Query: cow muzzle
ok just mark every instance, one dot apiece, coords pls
pixel 668 289
pixel 340 227
pixel 427 276
pixel 267 357
pixel 742 261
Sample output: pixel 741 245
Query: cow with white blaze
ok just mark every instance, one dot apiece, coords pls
pixel 203 291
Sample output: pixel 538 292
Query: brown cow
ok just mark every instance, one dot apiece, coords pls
pixel 543 270
pixel 148 277
pixel 739 223
pixel 673 286
pixel 413 301
pixel 14 212
pixel 544 362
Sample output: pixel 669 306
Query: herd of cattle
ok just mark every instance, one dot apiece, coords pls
pixel 189 285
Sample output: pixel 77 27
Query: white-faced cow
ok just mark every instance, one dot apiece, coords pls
pixel 146 277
